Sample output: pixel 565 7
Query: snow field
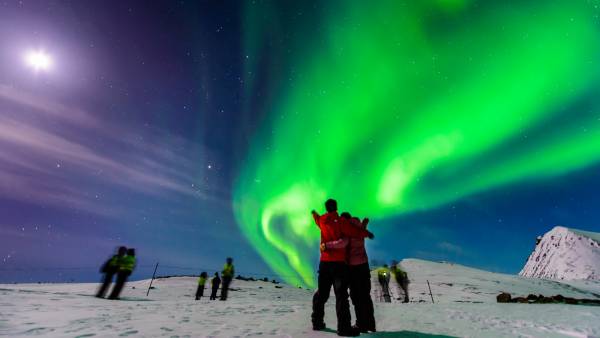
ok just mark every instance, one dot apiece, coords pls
pixel 465 307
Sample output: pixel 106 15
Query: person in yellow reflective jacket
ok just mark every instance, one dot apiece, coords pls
pixel 126 266
pixel 383 273
pixel 201 283
pixel 109 269
pixel 227 275
pixel 401 278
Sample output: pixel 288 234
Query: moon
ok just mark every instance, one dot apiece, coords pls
pixel 38 60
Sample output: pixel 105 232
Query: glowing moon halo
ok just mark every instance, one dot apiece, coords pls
pixel 38 60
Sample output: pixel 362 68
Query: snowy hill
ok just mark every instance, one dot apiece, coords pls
pixel 565 254
pixel 465 307
pixel 454 283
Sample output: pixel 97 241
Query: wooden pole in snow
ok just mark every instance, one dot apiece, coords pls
pixel 431 294
pixel 152 280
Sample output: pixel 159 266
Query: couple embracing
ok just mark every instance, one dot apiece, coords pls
pixel 343 265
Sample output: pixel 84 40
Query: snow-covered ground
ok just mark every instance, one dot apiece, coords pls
pixel 452 283
pixel 465 307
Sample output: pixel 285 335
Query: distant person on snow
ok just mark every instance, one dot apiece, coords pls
pixel 360 274
pixel 109 269
pixel 401 278
pixel 201 283
pixel 126 266
pixel 227 274
pixel 215 282
pixel 383 275
pixel 333 270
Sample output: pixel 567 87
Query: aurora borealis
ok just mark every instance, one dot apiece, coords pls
pixel 396 107
pixel 198 130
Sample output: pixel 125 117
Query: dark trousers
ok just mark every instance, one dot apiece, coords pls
pixel 360 293
pixel 121 279
pixel 107 279
pixel 213 294
pixel 403 283
pixel 199 291
pixel 332 274
pixel 385 289
pixel 225 287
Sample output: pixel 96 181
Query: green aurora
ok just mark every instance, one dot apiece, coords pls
pixel 394 107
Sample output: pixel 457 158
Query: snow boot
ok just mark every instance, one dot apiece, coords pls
pixel 349 332
pixel 360 328
pixel 365 329
pixel 319 326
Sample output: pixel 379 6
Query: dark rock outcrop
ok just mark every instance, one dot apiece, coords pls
pixel 505 297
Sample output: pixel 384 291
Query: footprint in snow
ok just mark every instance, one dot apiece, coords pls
pixel 127 333
pixel 38 330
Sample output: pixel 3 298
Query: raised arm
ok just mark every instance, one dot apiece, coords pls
pixel 316 217
pixel 349 230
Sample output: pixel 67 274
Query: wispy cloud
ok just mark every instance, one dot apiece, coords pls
pixel 451 248
pixel 50 153
pixel 50 108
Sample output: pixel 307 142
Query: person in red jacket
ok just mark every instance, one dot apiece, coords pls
pixel 359 272
pixel 333 270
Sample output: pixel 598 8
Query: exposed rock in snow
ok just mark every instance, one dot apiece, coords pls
pixel 565 254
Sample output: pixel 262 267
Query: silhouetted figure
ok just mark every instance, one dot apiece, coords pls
pixel 401 278
pixel 126 266
pixel 383 275
pixel 215 283
pixel 201 283
pixel 359 273
pixel 227 274
pixel 109 269
pixel 333 270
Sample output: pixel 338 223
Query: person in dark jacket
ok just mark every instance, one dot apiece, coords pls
pixel 126 266
pixel 333 270
pixel 227 274
pixel 109 269
pixel 201 283
pixel 215 283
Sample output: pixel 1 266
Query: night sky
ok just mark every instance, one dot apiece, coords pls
pixel 198 130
